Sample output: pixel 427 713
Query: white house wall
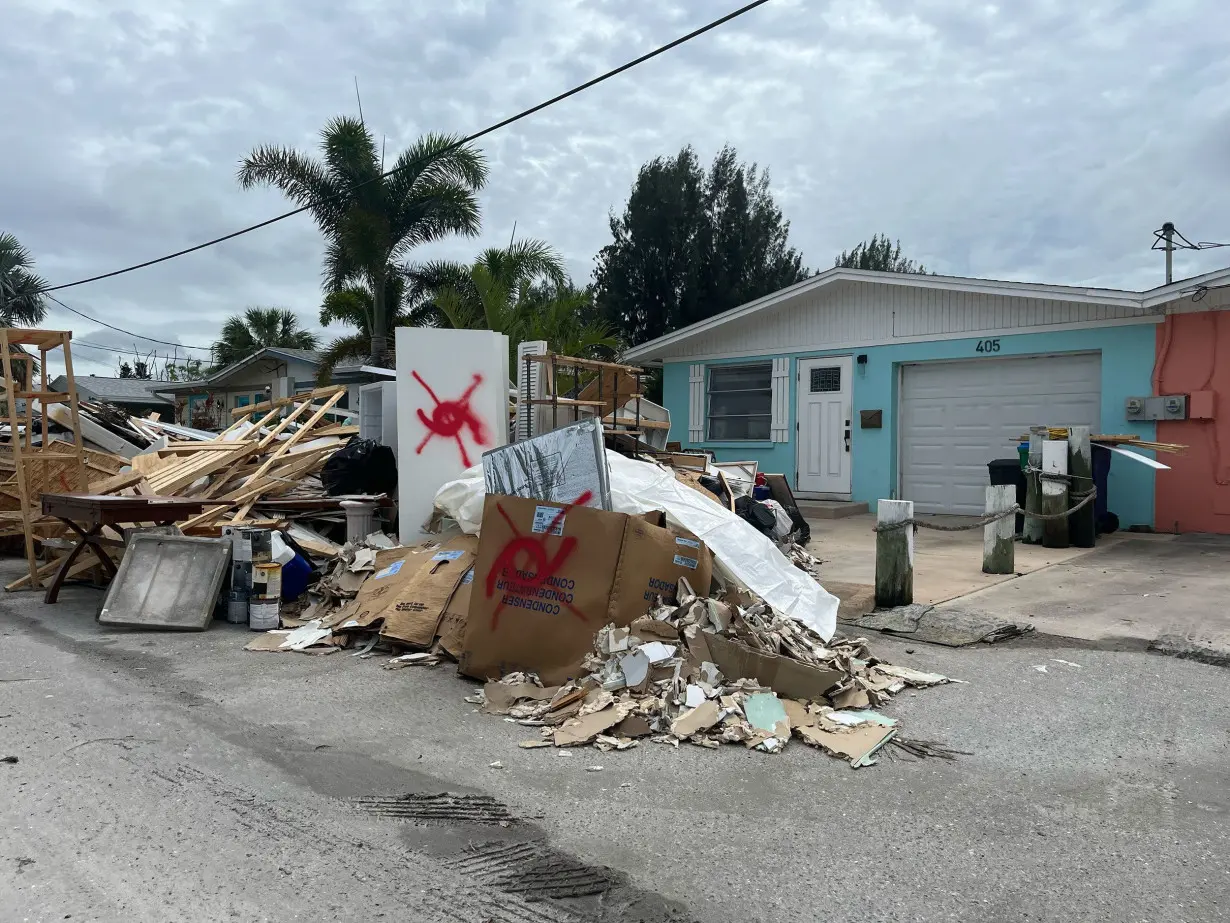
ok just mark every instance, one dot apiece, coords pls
pixel 861 313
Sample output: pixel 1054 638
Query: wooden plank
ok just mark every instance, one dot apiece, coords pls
pixel 23 497
pixel 309 396
pixel 574 362
pixel 183 448
pixel 177 477
pixel 1033 487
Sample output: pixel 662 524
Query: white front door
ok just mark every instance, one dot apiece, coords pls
pixel 824 426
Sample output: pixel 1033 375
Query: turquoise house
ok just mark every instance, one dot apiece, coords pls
pixel 863 385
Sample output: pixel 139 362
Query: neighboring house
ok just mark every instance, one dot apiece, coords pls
pixel 207 403
pixel 135 395
pixel 867 385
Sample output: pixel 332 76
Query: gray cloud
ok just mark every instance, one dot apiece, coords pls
pixel 1037 141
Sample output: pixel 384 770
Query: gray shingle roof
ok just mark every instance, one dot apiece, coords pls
pixel 114 390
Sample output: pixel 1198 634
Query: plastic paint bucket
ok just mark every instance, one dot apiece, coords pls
pixel 263 613
pixel 237 607
pixel 267 580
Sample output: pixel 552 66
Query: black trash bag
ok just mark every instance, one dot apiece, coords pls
pixel 362 466
pixel 756 513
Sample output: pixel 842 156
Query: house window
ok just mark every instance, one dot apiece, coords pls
pixel 740 401
pixel 242 400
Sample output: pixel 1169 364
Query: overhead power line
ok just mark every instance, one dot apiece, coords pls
pixel 139 336
pixel 525 113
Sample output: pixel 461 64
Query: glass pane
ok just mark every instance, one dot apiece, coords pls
pixel 740 377
pixel 756 427
pixel 740 402
pixel 826 379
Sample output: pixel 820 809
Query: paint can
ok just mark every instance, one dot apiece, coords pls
pixel 241 578
pixel 267 580
pixel 237 607
pixel 241 546
pixel 263 613
pixel 259 544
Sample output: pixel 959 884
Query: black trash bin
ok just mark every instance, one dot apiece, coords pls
pixel 1107 521
pixel 1007 471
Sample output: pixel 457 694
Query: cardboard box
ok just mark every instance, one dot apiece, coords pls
pixel 542 586
pixel 786 677
pixel 394 567
pixel 452 627
pixel 651 561
pixel 414 613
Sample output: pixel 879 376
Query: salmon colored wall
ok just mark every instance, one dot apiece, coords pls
pixel 1193 355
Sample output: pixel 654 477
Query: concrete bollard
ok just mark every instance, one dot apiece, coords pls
pixel 998 554
pixel 894 554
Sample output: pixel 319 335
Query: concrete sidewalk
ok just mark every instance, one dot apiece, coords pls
pixel 1162 591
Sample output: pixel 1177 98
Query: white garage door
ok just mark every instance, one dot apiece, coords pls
pixel 957 416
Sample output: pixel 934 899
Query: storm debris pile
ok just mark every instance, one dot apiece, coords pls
pixel 685 674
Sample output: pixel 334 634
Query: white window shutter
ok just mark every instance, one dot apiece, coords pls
pixel 696 403
pixel 780 423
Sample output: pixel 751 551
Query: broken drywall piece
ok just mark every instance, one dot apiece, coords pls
pixel 306 636
pixel 420 659
pixel 700 718
pixel 855 717
pixel 1041 667
pixel 764 710
pixel 535 744
pixel 635 667
pixel 657 652
pixel 577 731
pixel 851 698
pixel 797 714
pixel 913 677
pixel 499 698
pixel 364 560
pixel 269 641
pixel 858 745
pixel 1067 663
pixel 693 696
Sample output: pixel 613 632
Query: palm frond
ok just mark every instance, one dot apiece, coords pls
pixel 302 180
pixel 353 346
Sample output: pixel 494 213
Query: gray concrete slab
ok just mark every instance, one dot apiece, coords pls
pixel 1169 591
pixel 176 776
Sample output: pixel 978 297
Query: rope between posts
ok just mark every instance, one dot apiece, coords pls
pixel 1086 498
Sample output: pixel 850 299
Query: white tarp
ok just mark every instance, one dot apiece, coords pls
pixel 740 552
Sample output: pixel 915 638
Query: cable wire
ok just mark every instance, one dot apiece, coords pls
pixel 525 113
pixel 139 336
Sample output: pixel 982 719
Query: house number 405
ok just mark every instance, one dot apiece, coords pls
pixel 987 346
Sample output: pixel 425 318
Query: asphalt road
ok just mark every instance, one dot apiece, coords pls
pixel 177 777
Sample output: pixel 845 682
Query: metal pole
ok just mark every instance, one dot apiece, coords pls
pixel 1168 236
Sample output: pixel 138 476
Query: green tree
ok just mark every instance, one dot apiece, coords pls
pixel 352 307
pixel 22 302
pixel 372 221
pixel 691 244
pixel 257 329
pixel 521 290
pixel 125 370
pixel 880 254
pixel 187 370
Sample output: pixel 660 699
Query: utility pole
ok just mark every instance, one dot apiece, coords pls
pixel 1168 238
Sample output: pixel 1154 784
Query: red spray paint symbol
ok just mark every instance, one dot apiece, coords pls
pixel 540 566
pixel 449 417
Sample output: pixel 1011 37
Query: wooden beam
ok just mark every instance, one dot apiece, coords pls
pixel 294 399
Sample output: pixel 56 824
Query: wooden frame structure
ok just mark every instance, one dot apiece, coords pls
pixel 33 467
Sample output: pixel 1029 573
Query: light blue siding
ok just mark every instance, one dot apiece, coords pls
pixel 1127 365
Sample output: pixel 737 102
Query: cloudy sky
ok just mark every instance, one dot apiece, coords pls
pixel 1028 140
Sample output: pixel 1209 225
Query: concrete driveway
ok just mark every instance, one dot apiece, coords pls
pixel 1164 591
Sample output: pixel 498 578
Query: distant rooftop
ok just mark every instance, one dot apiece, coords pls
pixel 115 390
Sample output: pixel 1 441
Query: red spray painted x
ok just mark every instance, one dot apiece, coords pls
pixel 540 567
pixel 448 418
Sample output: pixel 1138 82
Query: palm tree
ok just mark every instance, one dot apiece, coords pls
pixel 352 306
pixel 371 220
pixel 520 290
pixel 257 329
pixel 22 302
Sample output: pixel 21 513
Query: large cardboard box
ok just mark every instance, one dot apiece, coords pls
pixel 651 561
pixel 414 613
pixel 452 627
pixel 542 587
pixel 549 576
pixel 784 676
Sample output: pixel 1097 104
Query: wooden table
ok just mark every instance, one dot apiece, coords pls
pixel 87 514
